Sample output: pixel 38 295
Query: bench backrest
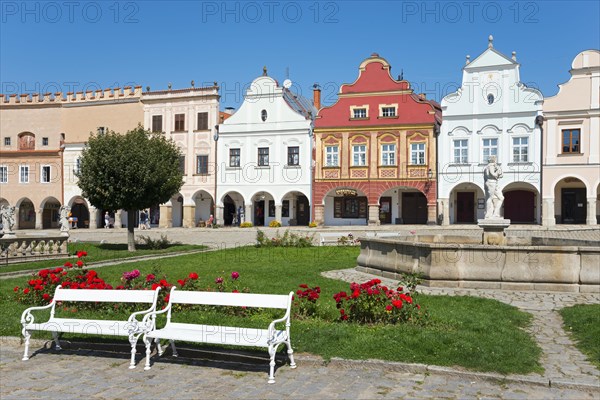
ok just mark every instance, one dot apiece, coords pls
pixel 106 295
pixel 231 299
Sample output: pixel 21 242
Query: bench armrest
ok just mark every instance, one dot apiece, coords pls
pixel 27 316
pixel 153 314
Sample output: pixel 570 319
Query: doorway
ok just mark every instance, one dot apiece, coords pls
pixel 228 211
pixel 574 210
pixel 259 213
pixel 302 211
pixel 414 208
pixel 519 206
pixel 385 210
pixel 465 207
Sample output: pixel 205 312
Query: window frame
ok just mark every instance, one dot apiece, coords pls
pixel 562 141
pixel 3 173
pixel 520 146
pixel 45 141
pixel 357 110
pixel 362 151
pixel 463 148
pixel 45 177
pixel 7 141
pixel 201 167
pixel 331 156
pixel 154 127
pixel 388 108
pixel 293 159
pixel 235 159
pixel 182 168
pixel 179 119
pixel 23 168
pixel 389 153
pixel 416 150
pixel 263 156
pixel 485 158
pixel 204 119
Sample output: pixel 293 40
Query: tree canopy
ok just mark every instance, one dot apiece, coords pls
pixel 131 171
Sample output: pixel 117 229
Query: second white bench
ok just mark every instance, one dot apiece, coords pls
pixel 270 338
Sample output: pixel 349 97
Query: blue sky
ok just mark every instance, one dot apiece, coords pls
pixel 66 45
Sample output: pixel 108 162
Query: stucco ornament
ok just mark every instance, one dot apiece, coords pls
pixel 493 196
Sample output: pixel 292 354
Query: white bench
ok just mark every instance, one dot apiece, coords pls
pixel 270 338
pixel 330 237
pixel 132 328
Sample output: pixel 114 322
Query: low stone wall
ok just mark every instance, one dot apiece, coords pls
pixel 517 267
pixel 25 248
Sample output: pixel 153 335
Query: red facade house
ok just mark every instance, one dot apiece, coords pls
pixel 375 152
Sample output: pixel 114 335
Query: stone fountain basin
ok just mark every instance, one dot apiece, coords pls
pixel 544 264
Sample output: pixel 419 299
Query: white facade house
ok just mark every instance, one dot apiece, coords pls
pixel 492 113
pixel 264 158
pixel 189 117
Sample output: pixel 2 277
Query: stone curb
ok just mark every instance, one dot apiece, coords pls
pixel 389 365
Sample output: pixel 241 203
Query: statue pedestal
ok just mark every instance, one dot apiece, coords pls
pixel 64 233
pixel 9 235
pixel 493 230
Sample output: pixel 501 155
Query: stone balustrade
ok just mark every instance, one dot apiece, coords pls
pixel 21 248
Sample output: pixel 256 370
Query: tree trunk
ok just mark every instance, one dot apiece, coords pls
pixel 130 234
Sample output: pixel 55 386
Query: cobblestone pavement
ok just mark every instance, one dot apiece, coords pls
pixel 83 371
pixel 561 360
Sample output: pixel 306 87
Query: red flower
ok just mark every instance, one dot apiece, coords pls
pixel 304 285
pixel 26 290
pixel 79 263
pixel 355 294
pixel 81 254
pixel 150 277
pixel 342 311
pixel 235 291
pixel 397 303
pixel 167 297
pixel 388 307
pixel 193 275
pixel 16 289
pixel 163 282
pixel 44 273
pixel 181 282
pixel 344 317
pixel 68 265
pixel 46 296
pixel 154 286
pixel 38 287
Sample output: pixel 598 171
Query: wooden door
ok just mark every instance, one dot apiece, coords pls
pixel 465 207
pixel 519 206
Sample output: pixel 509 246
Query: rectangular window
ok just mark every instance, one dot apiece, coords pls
pixel 78 165
pixel 285 208
pixel 263 156
pixel 202 165
pixel 234 157
pixel 7 141
pixel 179 122
pixel 45 173
pixel 360 113
pixel 157 123
pixel 490 148
pixel 293 155
pixel 24 174
pixel 461 151
pixel 102 130
pixel 3 174
pixel 182 164
pixel 359 155
pixel 202 121
pixel 388 154
pixel 570 141
pixel 44 141
pixel 350 207
pixel 331 156
pixel 388 111
pixel 520 149
pixel 417 153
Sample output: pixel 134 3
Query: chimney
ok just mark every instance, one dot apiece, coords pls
pixel 317 96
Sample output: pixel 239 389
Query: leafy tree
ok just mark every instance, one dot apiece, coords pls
pixel 132 172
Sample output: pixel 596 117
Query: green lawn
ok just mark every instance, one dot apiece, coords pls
pixel 96 252
pixel 583 321
pixel 477 334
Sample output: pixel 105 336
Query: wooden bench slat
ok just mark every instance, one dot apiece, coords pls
pixel 102 295
pixel 230 299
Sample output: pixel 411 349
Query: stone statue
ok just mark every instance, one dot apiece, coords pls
pixel 64 218
pixel 8 218
pixel 493 196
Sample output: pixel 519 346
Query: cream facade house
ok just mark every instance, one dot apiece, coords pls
pixel 188 116
pixel 571 147
pixel 264 157
pixel 492 113
pixel 41 137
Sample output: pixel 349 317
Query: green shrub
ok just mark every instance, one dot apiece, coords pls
pixel 287 240
pixel 156 244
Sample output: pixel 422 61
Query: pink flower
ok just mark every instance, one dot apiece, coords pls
pixel 150 277
pixel 235 275
pixel 219 280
